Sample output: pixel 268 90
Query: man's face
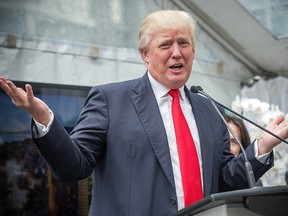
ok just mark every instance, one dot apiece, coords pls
pixel 169 57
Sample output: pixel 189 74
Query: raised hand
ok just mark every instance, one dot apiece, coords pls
pixel 26 100
pixel 267 142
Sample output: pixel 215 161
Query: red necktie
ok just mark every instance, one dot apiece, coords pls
pixel 189 163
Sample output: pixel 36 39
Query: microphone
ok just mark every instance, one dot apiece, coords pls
pixel 248 167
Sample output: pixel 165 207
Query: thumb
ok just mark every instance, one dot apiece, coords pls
pixel 30 94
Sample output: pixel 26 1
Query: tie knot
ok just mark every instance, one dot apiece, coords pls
pixel 174 93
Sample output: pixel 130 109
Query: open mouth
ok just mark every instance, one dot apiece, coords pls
pixel 176 66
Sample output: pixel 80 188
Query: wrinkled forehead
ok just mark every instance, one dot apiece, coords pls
pixel 171 34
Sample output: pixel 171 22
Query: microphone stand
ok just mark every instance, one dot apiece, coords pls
pixel 248 167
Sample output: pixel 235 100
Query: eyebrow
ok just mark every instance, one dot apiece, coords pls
pixel 180 37
pixel 233 139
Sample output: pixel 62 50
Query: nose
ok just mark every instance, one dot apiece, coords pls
pixel 176 53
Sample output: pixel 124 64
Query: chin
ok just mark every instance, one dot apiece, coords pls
pixel 176 84
pixel 180 81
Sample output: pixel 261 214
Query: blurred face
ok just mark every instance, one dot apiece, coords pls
pixel 169 57
pixel 234 147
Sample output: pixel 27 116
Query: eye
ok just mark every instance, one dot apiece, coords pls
pixel 183 43
pixel 164 45
pixel 233 142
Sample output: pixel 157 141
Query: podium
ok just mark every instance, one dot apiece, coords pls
pixel 267 201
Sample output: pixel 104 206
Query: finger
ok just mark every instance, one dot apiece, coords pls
pixel 11 85
pixel 279 119
pixel 12 90
pixel 2 80
pixel 30 94
pixel 17 95
pixel 4 85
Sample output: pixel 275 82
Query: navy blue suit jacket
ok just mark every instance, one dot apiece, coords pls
pixel 120 139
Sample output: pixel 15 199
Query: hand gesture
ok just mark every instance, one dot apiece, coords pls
pixel 267 142
pixel 26 100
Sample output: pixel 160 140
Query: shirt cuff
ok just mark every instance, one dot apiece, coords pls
pixel 41 129
pixel 264 158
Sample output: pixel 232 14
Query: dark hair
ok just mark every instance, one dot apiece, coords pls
pixel 245 138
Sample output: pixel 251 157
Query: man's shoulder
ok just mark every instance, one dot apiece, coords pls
pixel 129 83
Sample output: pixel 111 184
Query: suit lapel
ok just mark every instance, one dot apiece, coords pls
pixel 149 114
pixel 206 139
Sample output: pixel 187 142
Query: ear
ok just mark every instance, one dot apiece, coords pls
pixel 144 55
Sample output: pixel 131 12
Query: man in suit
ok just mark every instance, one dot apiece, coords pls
pixel 125 133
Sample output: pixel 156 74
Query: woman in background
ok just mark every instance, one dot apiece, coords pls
pixel 240 130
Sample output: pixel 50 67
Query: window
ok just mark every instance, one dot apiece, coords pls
pixel 272 14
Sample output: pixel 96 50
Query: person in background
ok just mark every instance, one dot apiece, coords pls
pixel 240 130
pixel 132 135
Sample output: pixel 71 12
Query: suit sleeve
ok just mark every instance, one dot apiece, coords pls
pixel 234 174
pixel 73 156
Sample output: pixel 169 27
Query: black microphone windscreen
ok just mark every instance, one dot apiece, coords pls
pixel 199 88
pixel 194 89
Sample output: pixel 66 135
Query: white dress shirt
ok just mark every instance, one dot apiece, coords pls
pixel 164 101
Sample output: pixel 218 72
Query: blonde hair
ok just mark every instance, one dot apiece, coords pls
pixel 162 20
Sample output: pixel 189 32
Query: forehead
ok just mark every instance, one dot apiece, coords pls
pixel 235 128
pixel 171 34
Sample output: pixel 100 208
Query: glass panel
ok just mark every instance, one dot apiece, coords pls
pixel 272 14
pixel 113 23
pixel 27 185
pixel 103 22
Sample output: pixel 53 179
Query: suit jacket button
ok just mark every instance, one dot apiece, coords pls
pixel 173 201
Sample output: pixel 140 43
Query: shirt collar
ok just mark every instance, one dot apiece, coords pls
pixel 161 91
